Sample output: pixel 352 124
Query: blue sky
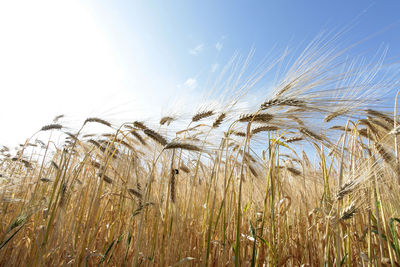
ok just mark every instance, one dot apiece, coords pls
pixel 132 59
pixel 166 32
pixel 188 42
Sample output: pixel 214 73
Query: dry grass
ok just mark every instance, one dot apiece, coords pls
pixel 232 190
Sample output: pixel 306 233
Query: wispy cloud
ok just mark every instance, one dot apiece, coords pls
pixel 191 83
pixel 197 49
pixel 214 67
pixel 219 46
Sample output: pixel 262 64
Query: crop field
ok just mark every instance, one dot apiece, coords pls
pixel 309 176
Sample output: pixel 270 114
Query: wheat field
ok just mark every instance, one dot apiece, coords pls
pixel 308 177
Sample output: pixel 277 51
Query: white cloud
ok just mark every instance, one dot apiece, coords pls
pixel 219 46
pixel 197 49
pixel 214 67
pixel 191 83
